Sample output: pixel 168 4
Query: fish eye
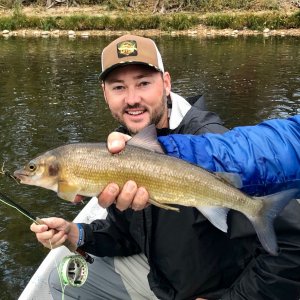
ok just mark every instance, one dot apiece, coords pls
pixel 32 166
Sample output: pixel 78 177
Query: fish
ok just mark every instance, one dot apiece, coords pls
pixel 86 168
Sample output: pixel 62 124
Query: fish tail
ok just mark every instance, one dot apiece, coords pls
pixel 263 223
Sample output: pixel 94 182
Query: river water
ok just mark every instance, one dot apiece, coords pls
pixel 49 95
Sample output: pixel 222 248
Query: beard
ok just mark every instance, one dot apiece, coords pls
pixel 155 116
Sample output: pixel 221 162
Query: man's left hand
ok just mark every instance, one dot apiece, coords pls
pixel 130 195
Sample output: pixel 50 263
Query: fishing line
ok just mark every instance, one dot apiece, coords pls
pixel 4 199
pixel 11 205
pixel 8 174
pixel 59 275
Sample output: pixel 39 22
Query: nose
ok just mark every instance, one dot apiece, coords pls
pixel 132 96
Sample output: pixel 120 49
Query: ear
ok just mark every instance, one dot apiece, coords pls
pixel 167 82
pixel 103 90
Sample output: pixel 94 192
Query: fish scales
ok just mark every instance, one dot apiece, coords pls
pixel 168 180
pixel 85 169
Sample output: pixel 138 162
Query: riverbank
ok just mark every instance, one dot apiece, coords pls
pixel 196 32
pixel 94 20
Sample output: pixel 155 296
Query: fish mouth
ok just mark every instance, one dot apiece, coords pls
pixel 20 175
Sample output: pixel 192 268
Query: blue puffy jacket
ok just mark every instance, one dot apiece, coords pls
pixel 267 156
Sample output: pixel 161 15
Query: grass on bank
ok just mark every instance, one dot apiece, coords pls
pixel 274 20
pixel 165 22
pixel 167 5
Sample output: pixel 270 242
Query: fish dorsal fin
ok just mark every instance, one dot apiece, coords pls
pixel 147 139
pixel 233 179
pixel 216 215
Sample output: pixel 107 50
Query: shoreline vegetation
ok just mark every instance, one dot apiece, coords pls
pixel 91 20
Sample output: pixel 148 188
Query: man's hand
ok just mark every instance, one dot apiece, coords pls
pixel 55 232
pixel 116 141
pixel 131 195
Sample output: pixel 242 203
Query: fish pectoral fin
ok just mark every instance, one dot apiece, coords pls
pixel 67 191
pixel 216 215
pixel 233 179
pixel 168 207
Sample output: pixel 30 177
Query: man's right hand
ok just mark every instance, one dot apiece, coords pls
pixel 130 195
pixel 55 232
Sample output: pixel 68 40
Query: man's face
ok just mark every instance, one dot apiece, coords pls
pixel 137 96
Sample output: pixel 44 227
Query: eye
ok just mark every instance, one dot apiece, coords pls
pixel 118 87
pixel 32 166
pixel 144 83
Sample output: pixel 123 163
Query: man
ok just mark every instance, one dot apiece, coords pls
pixel 188 257
pixel 145 97
pixel 138 92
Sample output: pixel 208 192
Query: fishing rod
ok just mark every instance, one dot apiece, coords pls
pixel 73 269
pixel 6 200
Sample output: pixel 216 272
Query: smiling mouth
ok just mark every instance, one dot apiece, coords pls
pixel 135 112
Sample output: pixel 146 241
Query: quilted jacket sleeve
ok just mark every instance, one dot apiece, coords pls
pixel 267 157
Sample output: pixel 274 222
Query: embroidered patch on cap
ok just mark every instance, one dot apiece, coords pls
pixel 127 48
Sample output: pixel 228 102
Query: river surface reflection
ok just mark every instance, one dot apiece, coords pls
pixel 49 95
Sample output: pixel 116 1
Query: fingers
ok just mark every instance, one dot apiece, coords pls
pixel 109 195
pixel 51 239
pixel 127 195
pixel 52 232
pixel 36 228
pixel 46 223
pixel 116 141
pixel 141 199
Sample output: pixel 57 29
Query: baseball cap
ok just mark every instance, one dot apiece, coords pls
pixel 130 49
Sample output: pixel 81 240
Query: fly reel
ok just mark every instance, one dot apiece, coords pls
pixel 73 270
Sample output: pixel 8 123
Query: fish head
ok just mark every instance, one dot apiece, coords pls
pixel 42 171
